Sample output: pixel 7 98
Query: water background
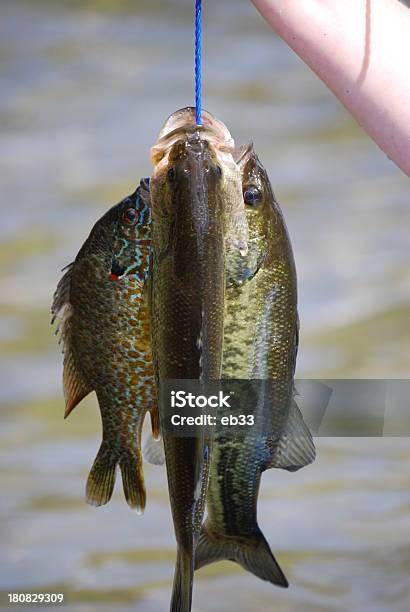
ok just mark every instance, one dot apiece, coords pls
pixel 85 89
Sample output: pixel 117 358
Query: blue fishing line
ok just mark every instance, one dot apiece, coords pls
pixel 198 36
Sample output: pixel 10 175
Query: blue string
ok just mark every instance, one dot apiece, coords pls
pixel 198 35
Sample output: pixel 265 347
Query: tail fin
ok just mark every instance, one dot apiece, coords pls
pixel 101 480
pixel 133 479
pixel 183 578
pixel 252 552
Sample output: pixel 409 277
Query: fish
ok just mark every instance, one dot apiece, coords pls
pixel 261 334
pixel 101 303
pixel 197 214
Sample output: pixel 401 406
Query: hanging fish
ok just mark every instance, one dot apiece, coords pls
pixel 101 302
pixel 260 344
pixel 197 212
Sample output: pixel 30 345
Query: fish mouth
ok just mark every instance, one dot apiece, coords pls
pixel 183 122
pixel 204 147
pixel 196 192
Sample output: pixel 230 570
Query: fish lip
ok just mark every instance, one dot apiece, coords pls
pixel 191 146
pixel 196 144
pixel 185 119
pixel 182 125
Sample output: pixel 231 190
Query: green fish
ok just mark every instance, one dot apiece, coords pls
pixel 197 211
pixel 102 305
pixel 260 344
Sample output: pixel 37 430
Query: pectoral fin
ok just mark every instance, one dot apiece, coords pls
pixel 295 448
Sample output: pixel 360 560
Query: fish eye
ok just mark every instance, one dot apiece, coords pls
pixel 171 174
pixel 252 195
pixel 129 216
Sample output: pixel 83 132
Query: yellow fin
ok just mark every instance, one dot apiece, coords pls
pixel 155 423
pixel 133 480
pixel 101 480
pixel 75 388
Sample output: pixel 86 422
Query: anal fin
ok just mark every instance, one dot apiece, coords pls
pixel 133 479
pixel 295 448
pixel 155 423
pixel 101 480
pixel 75 388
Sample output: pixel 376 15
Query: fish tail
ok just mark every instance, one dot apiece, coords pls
pixel 183 578
pixel 133 479
pixel 251 552
pixel 101 480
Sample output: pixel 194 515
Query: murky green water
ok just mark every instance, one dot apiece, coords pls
pixel 85 88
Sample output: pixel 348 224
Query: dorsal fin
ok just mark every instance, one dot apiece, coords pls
pixel 75 387
pixel 61 297
pixel 242 153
